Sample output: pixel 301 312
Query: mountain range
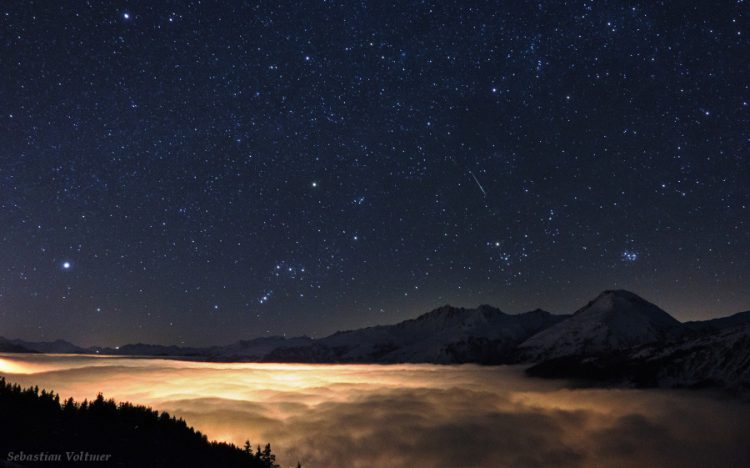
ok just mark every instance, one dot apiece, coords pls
pixel 618 338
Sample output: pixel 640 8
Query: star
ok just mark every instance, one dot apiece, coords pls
pixel 629 256
pixel 425 153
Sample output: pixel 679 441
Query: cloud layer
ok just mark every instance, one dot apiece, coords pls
pixel 416 415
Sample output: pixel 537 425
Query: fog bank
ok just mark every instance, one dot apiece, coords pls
pixel 412 415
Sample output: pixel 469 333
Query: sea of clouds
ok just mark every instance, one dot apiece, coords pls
pixel 413 415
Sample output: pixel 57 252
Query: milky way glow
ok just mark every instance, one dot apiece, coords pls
pixel 411 415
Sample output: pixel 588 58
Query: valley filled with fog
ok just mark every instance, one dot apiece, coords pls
pixel 411 415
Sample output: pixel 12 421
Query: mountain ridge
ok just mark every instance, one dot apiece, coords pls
pixel 615 337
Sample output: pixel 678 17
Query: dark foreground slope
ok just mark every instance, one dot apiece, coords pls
pixel 36 423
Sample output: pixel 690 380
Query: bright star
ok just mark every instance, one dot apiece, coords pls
pixel 126 16
pixel 66 265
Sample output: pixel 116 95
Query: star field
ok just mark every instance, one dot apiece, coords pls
pixel 195 172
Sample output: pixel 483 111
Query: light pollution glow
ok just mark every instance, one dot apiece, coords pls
pixel 411 415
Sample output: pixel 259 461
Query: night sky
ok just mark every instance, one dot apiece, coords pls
pixel 199 172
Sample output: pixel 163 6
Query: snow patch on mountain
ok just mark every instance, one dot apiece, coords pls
pixel 614 320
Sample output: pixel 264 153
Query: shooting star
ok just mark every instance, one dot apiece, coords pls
pixel 478 184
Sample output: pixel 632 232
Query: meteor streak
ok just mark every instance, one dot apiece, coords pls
pixel 478 183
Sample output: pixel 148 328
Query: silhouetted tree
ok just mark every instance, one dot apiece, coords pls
pixel 135 436
pixel 268 457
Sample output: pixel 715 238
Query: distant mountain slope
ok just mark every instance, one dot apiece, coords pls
pixel 256 349
pixel 445 335
pixel 720 358
pixel 7 346
pixel 244 350
pixel 51 347
pixel 615 320
pixel 717 359
pixel 721 323
pixel 142 349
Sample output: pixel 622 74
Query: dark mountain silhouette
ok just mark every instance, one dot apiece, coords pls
pixel 257 349
pixel 7 346
pixel 618 336
pixel 242 351
pixel 445 335
pixel 715 359
pixel 142 349
pixel 721 323
pixel 51 347
pixel 36 422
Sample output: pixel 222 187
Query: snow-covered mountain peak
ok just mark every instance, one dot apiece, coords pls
pixel 616 319
pixel 620 305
